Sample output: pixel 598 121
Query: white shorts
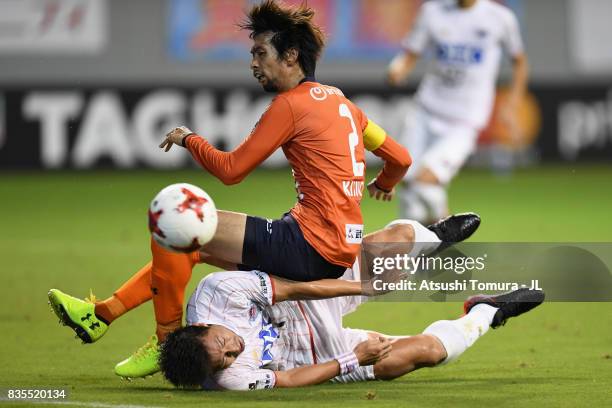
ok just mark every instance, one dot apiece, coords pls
pixel 441 145
pixel 326 318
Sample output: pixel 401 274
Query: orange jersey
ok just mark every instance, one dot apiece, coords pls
pixel 321 133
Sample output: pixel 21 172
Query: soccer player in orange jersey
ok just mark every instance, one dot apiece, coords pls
pixel 324 137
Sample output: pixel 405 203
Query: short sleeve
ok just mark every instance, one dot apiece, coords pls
pixel 223 295
pixel 419 38
pixel 511 39
pixel 245 379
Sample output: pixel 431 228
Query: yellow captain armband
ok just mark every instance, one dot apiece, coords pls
pixel 373 136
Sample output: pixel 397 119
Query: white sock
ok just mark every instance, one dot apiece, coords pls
pixel 425 241
pixel 434 198
pixel 411 205
pixel 457 335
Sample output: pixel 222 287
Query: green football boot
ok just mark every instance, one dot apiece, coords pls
pixel 78 314
pixel 142 363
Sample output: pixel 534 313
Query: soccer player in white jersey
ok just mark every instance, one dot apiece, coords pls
pixel 80 316
pixel 248 331
pixel 465 39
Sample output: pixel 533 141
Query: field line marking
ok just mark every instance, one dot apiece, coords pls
pixel 93 404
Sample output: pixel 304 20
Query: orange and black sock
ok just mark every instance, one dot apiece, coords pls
pixel 170 275
pixel 131 294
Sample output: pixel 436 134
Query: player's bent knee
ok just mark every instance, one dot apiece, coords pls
pixel 427 350
pixel 434 350
pixel 401 233
pixel 409 354
pixel 393 233
pixel 427 176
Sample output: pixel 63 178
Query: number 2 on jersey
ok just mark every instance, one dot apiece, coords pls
pixel 358 167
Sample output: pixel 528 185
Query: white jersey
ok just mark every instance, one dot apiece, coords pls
pixel 466 47
pixel 277 337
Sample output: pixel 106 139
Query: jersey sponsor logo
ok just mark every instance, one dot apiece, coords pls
pixel 320 93
pixel 353 188
pixel 354 233
pixel 268 334
pixel 263 284
pixel 259 384
pixel 459 54
pixel 268 382
pixel 253 313
pixel 481 33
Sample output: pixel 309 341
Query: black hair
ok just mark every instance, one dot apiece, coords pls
pixel 291 27
pixel 183 358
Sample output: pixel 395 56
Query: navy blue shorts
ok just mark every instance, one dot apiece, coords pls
pixel 279 248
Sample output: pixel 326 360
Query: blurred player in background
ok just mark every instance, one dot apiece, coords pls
pixel 456 95
pixel 324 137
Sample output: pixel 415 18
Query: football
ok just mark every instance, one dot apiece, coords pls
pixel 182 218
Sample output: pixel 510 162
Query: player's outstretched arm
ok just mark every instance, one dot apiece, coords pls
pixel 319 289
pixel 273 129
pixel 366 353
pixel 401 66
pixel 520 77
pixel 518 88
pixel 330 288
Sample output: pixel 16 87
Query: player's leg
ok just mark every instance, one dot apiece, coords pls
pixel 417 137
pixel 166 280
pixel 90 319
pixel 409 354
pixel 414 238
pixel 445 340
pixel 442 342
pixel 228 242
pixel 450 147
pixel 402 236
pixel 238 238
pixel 428 349
pixel 170 274
pixel 134 292
pixel 277 247
pixel 427 194
pixel 274 246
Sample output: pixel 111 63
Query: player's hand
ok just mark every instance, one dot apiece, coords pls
pixel 175 137
pixel 392 276
pixel 379 194
pixel 373 350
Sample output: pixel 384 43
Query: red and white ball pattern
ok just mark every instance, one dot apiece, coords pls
pixel 182 218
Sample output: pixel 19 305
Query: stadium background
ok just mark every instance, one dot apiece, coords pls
pixel 89 87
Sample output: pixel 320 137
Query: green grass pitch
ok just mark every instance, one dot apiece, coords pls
pixel 76 231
